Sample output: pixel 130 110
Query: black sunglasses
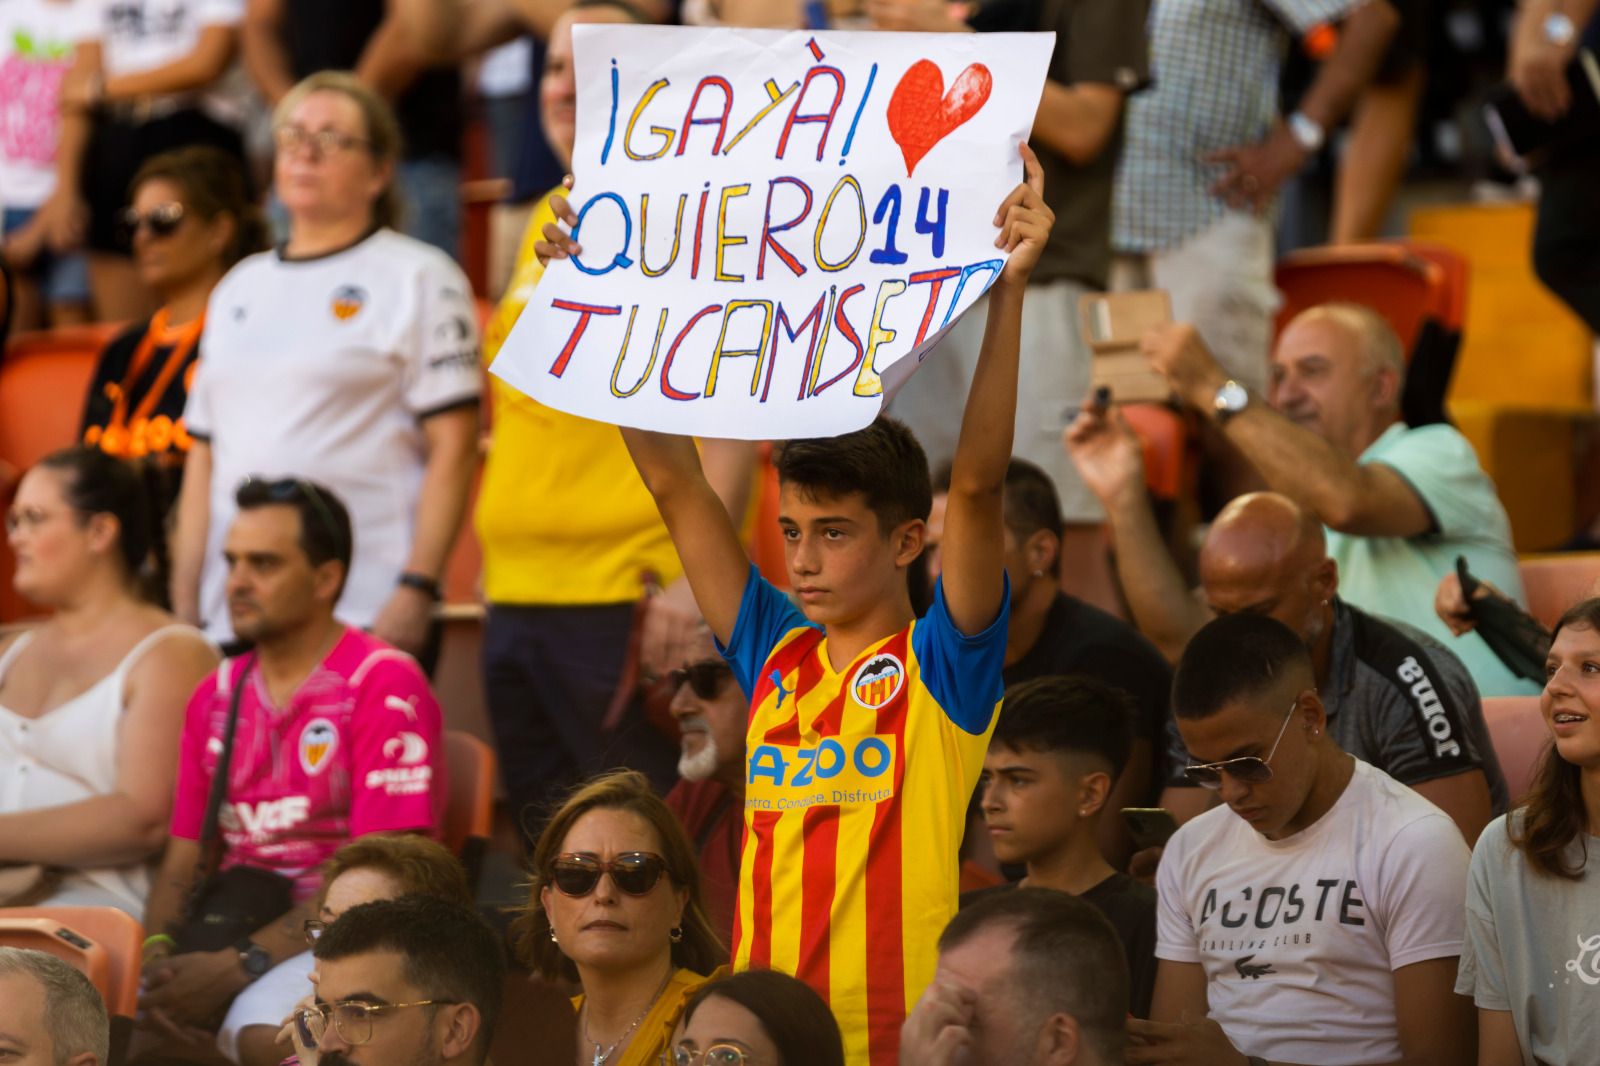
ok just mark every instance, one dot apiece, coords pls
pixel 704 678
pixel 294 490
pixel 162 220
pixel 1247 769
pixel 633 872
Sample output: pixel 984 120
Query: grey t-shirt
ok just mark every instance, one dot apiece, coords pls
pixel 1399 700
pixel 1533 948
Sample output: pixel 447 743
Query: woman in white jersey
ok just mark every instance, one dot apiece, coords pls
pixel 91 700
pixel 1531 960
pixel 349 356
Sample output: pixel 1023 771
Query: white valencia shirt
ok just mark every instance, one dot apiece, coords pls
pixel 1300 937
pixel 325 368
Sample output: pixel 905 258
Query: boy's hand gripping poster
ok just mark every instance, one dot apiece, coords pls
pixel 775 227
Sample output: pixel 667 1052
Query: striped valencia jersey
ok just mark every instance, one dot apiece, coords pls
pixel 856 790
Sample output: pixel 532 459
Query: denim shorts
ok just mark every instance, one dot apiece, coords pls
pixel 62 279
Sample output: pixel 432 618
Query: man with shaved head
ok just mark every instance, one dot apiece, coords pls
pixel 1395 697
pixel 1399 503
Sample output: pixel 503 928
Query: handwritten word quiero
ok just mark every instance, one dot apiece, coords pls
pixel 775 227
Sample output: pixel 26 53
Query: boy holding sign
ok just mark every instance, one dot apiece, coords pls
pixel 867 725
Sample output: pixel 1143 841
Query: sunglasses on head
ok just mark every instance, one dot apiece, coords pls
pixel 633 872
pixel 1247 769
pixel 704 678
pixel 162 220
pixel 294 490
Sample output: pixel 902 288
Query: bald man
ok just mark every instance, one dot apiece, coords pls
pixel 1395 697
pixel 1399 503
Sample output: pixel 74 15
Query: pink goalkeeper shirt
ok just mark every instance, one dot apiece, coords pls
pixel 357 750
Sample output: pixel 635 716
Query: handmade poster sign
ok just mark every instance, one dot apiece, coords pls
pixel 775 227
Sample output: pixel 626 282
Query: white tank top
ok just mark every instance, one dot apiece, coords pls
pixel 69 754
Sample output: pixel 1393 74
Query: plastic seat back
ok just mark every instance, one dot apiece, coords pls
pixel 1555 582
pixel 469 809
pixel 1518 733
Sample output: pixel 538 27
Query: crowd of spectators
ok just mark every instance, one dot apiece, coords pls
pixel 224 725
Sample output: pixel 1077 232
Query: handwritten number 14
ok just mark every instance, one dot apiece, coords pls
pixel 889 206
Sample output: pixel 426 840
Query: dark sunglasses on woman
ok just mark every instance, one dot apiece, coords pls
pixel 633 872
pixel 161 220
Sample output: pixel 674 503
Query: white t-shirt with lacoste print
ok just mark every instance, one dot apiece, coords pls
pixel 1300 937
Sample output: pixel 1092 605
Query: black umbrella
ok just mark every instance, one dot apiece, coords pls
pixel 1511 633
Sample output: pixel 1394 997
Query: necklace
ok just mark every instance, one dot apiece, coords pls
pixel 602 1055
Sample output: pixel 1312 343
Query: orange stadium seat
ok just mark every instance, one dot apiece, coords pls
pixel 1170 460
pixel 102 943
pixel 469 810
pixel 1518 733
pixel 1555 582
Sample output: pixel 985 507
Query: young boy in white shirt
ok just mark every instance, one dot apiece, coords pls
pixel 1316 916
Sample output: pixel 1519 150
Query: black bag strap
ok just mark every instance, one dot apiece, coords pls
pixel 210 852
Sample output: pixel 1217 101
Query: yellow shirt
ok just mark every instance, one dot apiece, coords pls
pixel 562 515
pixel 654 1034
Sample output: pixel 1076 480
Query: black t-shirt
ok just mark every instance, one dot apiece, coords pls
pixel 112 367
pixel 323 36
pixel 1101 42
pixel 1086 641
pixel 1130 907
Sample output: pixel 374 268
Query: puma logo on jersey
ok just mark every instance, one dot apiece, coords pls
pixel 776 677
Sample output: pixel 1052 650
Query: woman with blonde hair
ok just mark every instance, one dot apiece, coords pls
pixel 347 356
pixel 615 905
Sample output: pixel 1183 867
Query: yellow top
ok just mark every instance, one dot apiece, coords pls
pixel 562 515
pixel 654 1034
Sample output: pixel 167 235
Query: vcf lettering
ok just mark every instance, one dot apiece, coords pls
pixel 266 817
pixel 786 767
pixel 1432 708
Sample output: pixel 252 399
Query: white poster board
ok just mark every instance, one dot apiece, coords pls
pixel 776 226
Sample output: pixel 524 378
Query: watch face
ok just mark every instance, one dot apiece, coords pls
pixel 1232 398
pixel 1558 28
pixel 256 960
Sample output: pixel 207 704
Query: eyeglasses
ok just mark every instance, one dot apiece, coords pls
pixel 1247 769
pixel 161 220
pixel 633 872
pixel 293 138
pixel 294 490
pixel 715 1055
pixel 314 928
pixel 704 678
pixel 352 1020
pixel 26 518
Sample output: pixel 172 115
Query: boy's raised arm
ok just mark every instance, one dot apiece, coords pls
pixel 974 535
pixel 707 542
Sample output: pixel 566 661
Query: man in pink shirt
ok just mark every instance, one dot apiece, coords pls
pixel 338 736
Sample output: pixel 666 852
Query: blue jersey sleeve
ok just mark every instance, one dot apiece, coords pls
pixel 765 615
pixel 962 673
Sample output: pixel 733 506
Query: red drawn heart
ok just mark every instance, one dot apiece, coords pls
pixel 921 113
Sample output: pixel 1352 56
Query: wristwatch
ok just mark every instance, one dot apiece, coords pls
pixel 1307 131
pixel 1559 29
pixel 253 958
pixel 1231 398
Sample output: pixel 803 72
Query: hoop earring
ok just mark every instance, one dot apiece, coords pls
pixel 676 936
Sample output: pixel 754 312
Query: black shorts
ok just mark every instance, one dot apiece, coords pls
pixel 119 146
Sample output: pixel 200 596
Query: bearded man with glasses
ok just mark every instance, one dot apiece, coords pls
pixel 1316 917
pixel 414 981
pixel 711 711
